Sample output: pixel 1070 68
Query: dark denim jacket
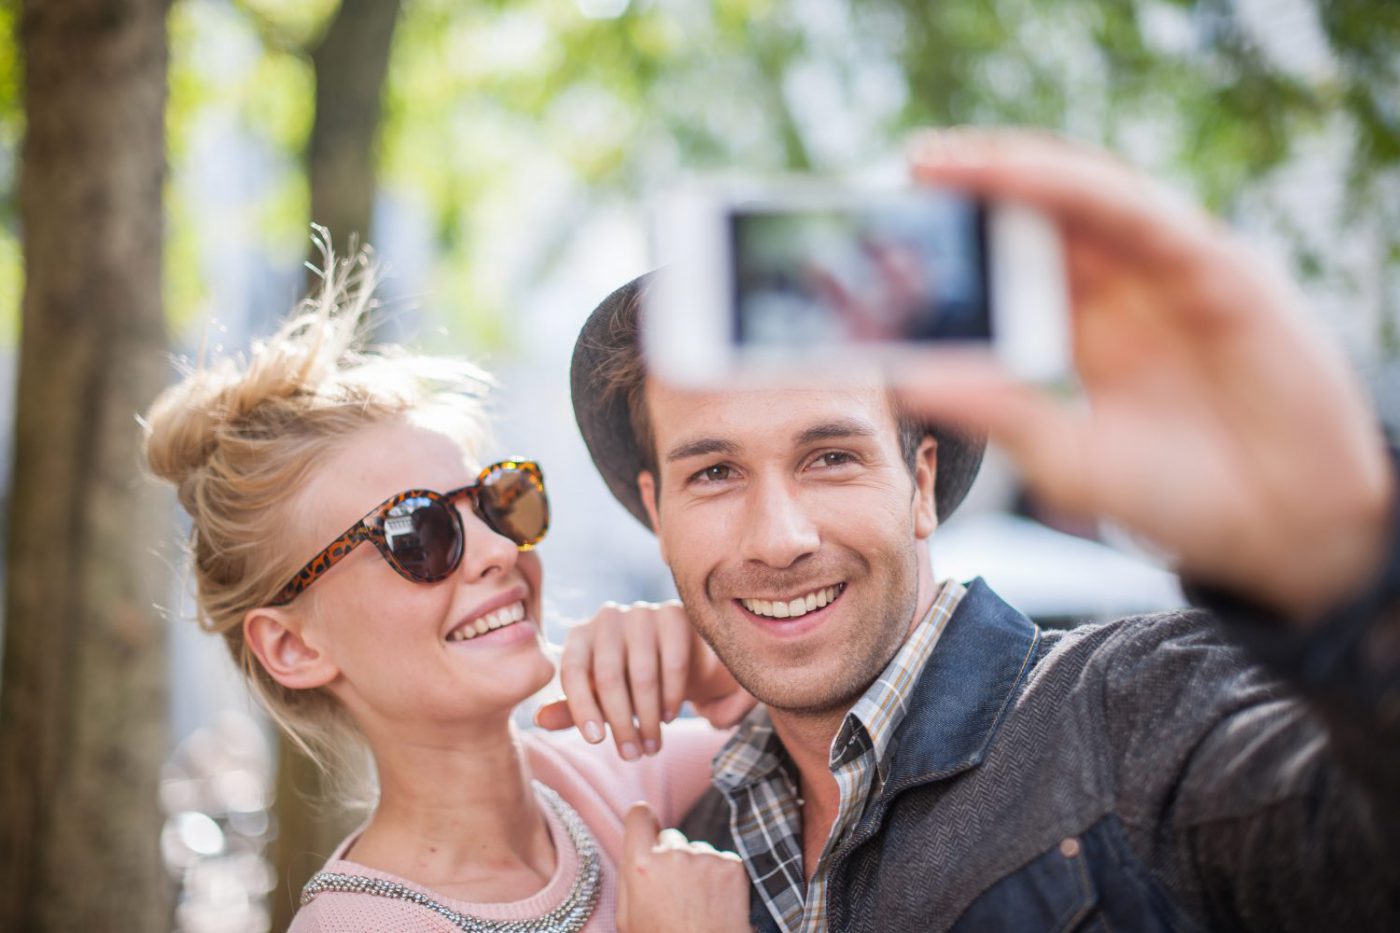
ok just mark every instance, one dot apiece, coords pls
pixel 1147 774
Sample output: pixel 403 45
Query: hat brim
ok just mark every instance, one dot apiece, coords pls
pixel 606 424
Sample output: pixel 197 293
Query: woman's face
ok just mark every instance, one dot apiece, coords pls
pixel 402 665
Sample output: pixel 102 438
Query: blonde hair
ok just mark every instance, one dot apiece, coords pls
pixel 238 438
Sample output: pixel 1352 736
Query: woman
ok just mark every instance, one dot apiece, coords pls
pixel 362 605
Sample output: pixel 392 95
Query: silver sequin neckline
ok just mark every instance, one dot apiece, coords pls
pixel 568 917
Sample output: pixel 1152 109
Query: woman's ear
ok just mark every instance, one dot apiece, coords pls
pixel 278 641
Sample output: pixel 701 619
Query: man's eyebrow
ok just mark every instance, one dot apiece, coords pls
pixel 701 447
pixel 835 430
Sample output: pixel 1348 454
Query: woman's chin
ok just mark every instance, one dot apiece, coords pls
pixel 514 660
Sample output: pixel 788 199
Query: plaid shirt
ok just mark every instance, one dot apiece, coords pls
pixel 755 774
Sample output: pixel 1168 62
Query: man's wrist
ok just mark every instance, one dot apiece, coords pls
pixel 1350 644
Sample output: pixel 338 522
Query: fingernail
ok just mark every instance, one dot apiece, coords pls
pixel 593 732
pixel 629 751
pixel 669 715
pixel 652 746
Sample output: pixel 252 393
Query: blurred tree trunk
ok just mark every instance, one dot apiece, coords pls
pixel 350 65
pixel 83 697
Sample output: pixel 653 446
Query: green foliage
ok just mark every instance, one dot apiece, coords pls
pixel 247 63
pixel 496 105
pixel 484 101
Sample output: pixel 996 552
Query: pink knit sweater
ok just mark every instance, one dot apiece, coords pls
pixel 595 782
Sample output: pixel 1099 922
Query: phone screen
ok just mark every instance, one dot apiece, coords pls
pixel 911 269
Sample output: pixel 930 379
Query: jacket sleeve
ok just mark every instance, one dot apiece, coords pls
pixel 1286 812
pixel 1346 667
pixel 1279 832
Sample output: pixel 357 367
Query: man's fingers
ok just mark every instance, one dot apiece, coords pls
pixel 963 387
pixel 639 832
pixel 1088 190
pixel 1048 437
pixel 575 676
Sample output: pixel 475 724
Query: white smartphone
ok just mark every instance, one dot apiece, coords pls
pixel 781 281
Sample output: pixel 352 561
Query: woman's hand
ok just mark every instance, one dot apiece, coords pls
pixel 632 667
pixel 1220 424
pixel 671 885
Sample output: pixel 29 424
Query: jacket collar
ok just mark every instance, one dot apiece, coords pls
pixel 962 696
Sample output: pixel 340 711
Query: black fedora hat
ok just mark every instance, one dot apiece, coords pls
pixel 606 355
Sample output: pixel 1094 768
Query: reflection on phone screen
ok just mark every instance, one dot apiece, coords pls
pixel 900 271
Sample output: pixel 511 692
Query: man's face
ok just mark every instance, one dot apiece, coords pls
pixel 794 532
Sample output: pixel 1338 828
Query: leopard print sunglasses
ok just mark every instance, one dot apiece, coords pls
pixel 419 532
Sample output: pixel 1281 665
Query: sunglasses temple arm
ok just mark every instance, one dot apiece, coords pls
pixel 334 553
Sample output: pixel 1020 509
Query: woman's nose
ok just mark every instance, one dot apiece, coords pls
pixel 484 550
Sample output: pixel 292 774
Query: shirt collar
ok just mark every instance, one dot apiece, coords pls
pixel 961 698
pixel 880 710
pixel 752 753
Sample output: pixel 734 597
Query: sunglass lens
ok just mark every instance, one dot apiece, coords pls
pixel 424 537
pixel 513 502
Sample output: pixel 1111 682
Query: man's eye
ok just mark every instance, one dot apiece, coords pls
pixel 835 458
pixel 714 474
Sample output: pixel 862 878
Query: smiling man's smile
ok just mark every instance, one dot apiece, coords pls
pixel 796 607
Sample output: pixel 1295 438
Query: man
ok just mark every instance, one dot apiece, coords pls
pixel 924 757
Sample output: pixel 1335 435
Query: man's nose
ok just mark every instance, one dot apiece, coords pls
pixel 777 530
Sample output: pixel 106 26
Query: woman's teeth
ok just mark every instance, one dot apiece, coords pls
pixel 498 618
pixel 792 608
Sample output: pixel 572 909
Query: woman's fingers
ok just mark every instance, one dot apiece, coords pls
pixel 674 637
pixel 643 676
pixel 639 831
pixel 554 716
pixel 576 677
pixel 640 827
pixel 610 681
pixel 628 667
pixel 668 883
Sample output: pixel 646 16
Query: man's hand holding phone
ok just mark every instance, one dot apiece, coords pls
pixel 1217 421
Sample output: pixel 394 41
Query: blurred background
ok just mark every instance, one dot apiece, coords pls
pixel 160 164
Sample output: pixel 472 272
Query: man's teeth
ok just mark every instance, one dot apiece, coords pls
pixel 492 620
pixel 792 608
